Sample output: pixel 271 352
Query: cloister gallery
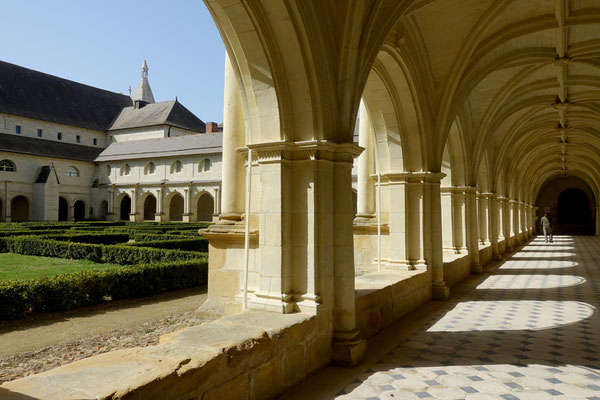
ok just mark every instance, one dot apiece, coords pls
pixel 476 116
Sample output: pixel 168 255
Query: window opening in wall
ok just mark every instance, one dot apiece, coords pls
pixel 7 166
pixel 59 135
pixel 39 133
pixel 72 171
pixel 125 170
pixel 95 141
pixel 150 168
pixel 78 139
pixel 204 165
pixel 176 167
pixel 18 129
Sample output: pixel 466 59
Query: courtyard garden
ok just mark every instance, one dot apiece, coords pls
pixel 58 266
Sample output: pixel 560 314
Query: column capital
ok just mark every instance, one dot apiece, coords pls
pixel 322 150
pixel 486 195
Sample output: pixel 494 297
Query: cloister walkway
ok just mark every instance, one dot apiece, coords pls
pixel 528 329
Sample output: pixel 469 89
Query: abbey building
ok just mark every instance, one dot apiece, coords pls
pixel 69 151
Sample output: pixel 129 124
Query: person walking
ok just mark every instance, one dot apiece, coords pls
pixel 547 227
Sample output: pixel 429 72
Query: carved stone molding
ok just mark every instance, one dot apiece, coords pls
pixel 314 150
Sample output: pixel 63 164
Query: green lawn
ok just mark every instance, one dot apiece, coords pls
pixel 19 267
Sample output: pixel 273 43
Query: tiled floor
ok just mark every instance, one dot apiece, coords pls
pixel 531 330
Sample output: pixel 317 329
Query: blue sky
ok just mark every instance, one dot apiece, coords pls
pixel 103 44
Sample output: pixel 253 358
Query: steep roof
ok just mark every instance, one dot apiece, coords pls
pixel 40 147
pixel 171 113
pixel 33 94
pixel 207 143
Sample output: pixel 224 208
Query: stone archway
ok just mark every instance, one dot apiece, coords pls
pixel 63 209
pixel 205 207
pixel 19 209
pixel 125 208
pixel 79 210
pixel 176 208
pixel 149 207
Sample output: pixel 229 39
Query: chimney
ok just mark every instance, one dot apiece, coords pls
pixel 212 127
pixel 139 104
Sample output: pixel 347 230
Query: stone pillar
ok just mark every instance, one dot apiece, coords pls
pixel 506 224
pixel 494 226
pixel 459 220
pixel 232 202
pixel 448 234
pixel 159 215
pixel 534 211
pixel 483 209
pixel 597 220
pixel 439 289
pixel 71 213
pixel 415 250
pixel 515 222
pixel 217 209
pixel 134 200
pixel 110 209
pixel 187 201
pixel 405 191
pixel 472 230
pixel 365 192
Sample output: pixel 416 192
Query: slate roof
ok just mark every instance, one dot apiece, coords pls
pixel 33 94
pixel 40 147
pixel 201 143
pixel 171 113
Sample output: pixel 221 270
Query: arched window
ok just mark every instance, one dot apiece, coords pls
pixel 204 165
pixel 72 171
pixel 149 169
pixel 8 166
pixel 176 167
pixel 125 169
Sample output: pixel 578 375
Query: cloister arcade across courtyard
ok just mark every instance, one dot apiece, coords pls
pixel 474 117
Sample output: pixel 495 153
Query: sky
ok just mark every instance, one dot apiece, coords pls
pixel 103 44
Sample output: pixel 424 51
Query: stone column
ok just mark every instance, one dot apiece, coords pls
pixel 187 201
pixel 159 215
pixel 134 200
pixel 597 220
pixel 515 222
pixel 110 209
pixel 71 213
pixel 232 202
pixel 483 209
pixel 217 209
pixel 534 211
pixel 459 220
pixel 439 289
pixel 415 249
pixel 448 234
pixel 365 192
pixel 506 224
pixel 472 230
pixel 494 226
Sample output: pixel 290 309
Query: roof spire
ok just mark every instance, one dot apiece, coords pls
pixel 143 92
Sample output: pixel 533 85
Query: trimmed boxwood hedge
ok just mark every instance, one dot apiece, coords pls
pixel 181 243
pixel 114 254
pixel 64 292
pixel 93 238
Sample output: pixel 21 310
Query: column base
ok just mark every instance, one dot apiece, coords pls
pixel 348 349
pixel 509 248
pixel 186 217
pixel 230 217
pixel 132 217
pixel 496 257
pixel 440 291
pixel 476 269
pixel 159 217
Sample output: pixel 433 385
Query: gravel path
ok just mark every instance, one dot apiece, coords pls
pixel 47 341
